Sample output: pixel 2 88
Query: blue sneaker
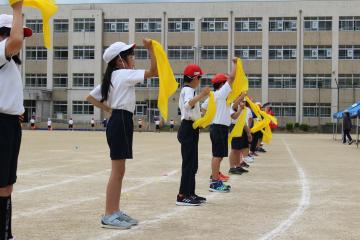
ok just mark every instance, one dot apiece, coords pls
pixel 219 186
pixel 113 221
pixel 127 218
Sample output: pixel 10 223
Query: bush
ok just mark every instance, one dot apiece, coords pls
pixel 289 126
pixel 304 127
pixel 296 125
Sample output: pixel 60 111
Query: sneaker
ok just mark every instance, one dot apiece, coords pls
pixel 113 221
pixel 127 218
pixel 235 171
pixel 200 199
pixel 351 142
pixel 248 159
pixel 244 165
pixel 242 170
pixel 260 149
pixel 219 186
pixel 253 154
pixel 221 175
pixel 187 201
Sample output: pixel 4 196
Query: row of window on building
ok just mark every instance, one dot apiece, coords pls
pixel 254 24
pixel 346 52
pixel 276 81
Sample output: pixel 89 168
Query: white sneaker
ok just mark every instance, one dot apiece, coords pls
pixel 248 159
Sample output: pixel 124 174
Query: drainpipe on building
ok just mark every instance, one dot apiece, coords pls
pixel 231 40
pixel 299 119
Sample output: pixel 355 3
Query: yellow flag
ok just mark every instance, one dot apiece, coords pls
pixel 167 81
pixel 240 84
pixel 239 126
pixel 47 9
pixel 267 135
pixel 255 108
pixel 209 115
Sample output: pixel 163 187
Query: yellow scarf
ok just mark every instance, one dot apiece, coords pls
pixel 47 9
pixel 240 84
pixel 167 81
pixel 209 115
pixel 239 126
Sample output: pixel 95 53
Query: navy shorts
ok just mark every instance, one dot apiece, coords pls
pixel 119 134
pixel 239 143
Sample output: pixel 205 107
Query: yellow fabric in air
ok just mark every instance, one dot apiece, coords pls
pixel 209 115
pixel 240 84
pixel 47 8
pixel 167 82
pixel 239 126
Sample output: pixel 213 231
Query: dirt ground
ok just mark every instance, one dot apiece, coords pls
pixel 305 187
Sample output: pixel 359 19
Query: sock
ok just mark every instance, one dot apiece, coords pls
pixel 5 215
pixel 10 217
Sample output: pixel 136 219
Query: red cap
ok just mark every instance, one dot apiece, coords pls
pixel 219 78
pixel 193 70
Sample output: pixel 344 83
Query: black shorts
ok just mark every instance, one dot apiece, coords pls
pixel 239 143
pixel 10 141
pixel 140 126
pixel 219 139
pixel 32 125
pixel 119 134
pixel 70 126
pixel 92 125
pixel 172 126
pixel 157 127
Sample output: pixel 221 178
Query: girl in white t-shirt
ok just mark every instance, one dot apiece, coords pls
pixel 49 124
pixel 116 95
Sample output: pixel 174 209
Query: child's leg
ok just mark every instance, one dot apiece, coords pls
pixel 5 213
pixel 113 191
pixel 234 158
pixel 215 166
pixel 186 169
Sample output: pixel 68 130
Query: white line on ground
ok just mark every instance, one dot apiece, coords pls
pixel 303 203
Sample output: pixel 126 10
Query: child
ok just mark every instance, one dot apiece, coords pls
pixel 92 123
pixel 172 123
pixel 32 122
pixel 240 145
pixel 189 137
pixel 219 128
pixel 157 124
pixel 12 36
pixel 116 95
pixel 71 124
pixel 140 124
pixel 49 123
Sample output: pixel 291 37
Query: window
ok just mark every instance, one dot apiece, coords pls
pixel 60 80
pixel 214 52
pixel 282 81
pixel 116 25
pixel 148 25
pixel 282 52
pixel 36 80
pixel 349 23
pixel 206 80
pixel 60 53
pixel 317 52
pixel 153 82
pixel 282 24
pixel 314 109
pixel 84 52
pixel 248 52
pixel 214 25
pixel 84 24
pixel 141 53
pixel 36 53
pixel 61 25
pixel 317 80
pixel 349 52
pixel 36 25
pixel 254 80
pixel 284 109
pixel 181 24
pixel 248 24
pixel 60 107
pixel 85 80
pixel 318 24
pixel 349 80
pixel 181 52
pixel 82 107
pixel 141 108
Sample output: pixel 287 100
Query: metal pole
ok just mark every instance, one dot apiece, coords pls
pixel 357 132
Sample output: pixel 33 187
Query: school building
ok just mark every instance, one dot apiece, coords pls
pixel 302 56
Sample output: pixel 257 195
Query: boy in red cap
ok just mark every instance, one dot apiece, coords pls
pixel 219 128
pixel 189 137
pixel 12 35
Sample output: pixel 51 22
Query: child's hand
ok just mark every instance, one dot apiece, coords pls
pixel 16 4
pixel 205 91
pixel 147 43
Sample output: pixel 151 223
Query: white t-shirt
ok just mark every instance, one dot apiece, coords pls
pixel 32 120
pixel 248 115
pixel 49 123
pixel 92 121
pixel 222 115
pixel 139 122
pixel 11 89
pixel 71 122
pixel 157 122
pixel 187 112
pixel 122 93
pixel 172 122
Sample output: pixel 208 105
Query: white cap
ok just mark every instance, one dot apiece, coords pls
pixel 7 20
pixel 115 49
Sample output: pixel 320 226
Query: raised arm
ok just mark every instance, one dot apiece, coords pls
pixel 15 41
pixel 233 72
pixel 152 72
